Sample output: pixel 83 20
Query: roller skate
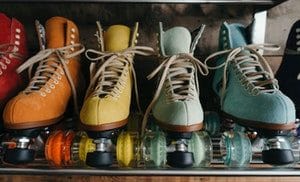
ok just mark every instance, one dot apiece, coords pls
pixel 44 100
pixel 176 108
pixel 13 52
pixel 249 94
pixel 288 73
pixel 106 107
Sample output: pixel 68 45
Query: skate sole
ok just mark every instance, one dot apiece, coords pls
pixel 104 127
pixel 180 128
pixel 260 125
pixel 36 124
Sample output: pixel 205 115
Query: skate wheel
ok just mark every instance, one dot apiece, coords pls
pixel 155 149
pixel 53 148
pixel 278 156
pixel 125 149
pixel 19 156
pixel 86 145
pixel 212 123
pixel 58 148
pixel 180 159
pixel 238 149
pixel 69 136
pixel 99 159
pixel 201 147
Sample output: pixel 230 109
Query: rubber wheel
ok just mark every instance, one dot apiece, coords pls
pixel 99 159
pixel 278 156
pixel 19 156
pixel 180 159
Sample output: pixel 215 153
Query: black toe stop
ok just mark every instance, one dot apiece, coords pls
pixel 180 159
pixel 99 159
pixel 278 156
pixel 19 156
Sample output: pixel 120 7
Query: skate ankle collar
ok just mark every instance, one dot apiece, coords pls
pixel 254 72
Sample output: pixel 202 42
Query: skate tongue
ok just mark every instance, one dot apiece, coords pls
pixel 5 33
pixel 56 32
pixel 117 38
pixel 175 41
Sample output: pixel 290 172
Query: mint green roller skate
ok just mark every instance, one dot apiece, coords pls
pixel 176 107
pixel 249 93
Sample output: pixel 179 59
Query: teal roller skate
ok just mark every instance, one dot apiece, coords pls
pixel 176 106
pixel 249 93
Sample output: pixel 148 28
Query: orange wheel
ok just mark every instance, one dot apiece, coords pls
pixel 54 147
pixel 67 147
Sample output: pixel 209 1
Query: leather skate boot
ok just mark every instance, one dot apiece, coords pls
pixel 45 99
pixel 13 52
pixel 249 94
pixel 176 107
pixel 107 104
pixel 288 74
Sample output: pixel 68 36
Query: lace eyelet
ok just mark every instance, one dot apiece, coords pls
pixel 55 82
pixel 17 36
pixel 59 77
pixel 18 30
pixel 48 91
pixel 52 86
pixel 7 61
pixel 43 94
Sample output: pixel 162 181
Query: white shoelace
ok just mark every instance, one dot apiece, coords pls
pixel 52 64
pixel 107 79
pixel 179 73
pixel 253 66
pixel 4 50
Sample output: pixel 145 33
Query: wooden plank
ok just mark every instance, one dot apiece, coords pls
pixel 21 178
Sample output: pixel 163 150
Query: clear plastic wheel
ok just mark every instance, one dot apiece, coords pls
pixel 236 149
pixel 154 149
pixel 201 146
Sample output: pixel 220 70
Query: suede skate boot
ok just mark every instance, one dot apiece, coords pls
pixel 249 93
pixel 107 104
pixel 176 106
pixel 13 51
pixel 288 74
pixel 45 99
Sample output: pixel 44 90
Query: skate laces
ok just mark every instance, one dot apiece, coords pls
pixel 110 78
pixel 255 73
pixel 53 63
pixel 179 73
pixel 4 50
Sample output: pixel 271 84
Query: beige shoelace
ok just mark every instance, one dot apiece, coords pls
pixel 4 50
pixel 107 79
pixel 179 73
pixel 50 61
pixel 253 66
